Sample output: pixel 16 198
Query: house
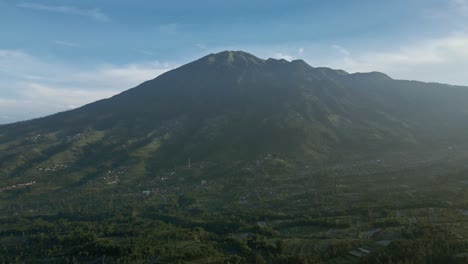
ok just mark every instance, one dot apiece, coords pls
pixel 356 253
pixel 370 234
pixel 360 252
pixel 365 251
pixel 383 243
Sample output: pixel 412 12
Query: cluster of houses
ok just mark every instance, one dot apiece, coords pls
pixel 155 191
pixel 112 177
pixel 77 137
pixel 259 162
pixel 19 185
pixel 161 178
pixel 366 250
pixel 34 137
pixel 53 168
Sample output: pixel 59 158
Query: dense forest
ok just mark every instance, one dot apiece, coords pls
pixel 342 214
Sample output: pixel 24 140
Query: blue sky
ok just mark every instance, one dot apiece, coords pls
pixel 58 55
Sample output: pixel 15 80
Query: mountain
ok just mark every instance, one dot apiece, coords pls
pixel 233 105
pixel 236 159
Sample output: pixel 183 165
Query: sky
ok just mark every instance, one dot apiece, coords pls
pixel 59 55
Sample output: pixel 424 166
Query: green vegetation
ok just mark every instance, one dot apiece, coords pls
pixel 221 214
pixel 233 159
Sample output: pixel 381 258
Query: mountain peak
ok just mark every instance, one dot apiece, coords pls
pixel 299 61
pixel 376 76
pixel 232 57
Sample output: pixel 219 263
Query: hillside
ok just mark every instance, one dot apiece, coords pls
pixel 235 106
pixel 214 149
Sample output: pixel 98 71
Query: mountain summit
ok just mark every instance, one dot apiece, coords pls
pixel 232 106
pixel 232 58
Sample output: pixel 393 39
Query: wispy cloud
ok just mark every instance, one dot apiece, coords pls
pixel 60 98
pixel 341 50
pixel 122 76
pixel 36 100
pixel 439 60
pixel 94 13
pixel 453 12
pixel 280 55
pixel 201 46
pixel 31 86
pixel 66 43
pixel 461 6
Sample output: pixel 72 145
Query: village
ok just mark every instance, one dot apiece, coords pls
pixel 361 206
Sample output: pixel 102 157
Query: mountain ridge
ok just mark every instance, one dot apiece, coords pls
pixel 225 55
pixel 235 106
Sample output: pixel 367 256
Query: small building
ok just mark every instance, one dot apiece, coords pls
pixel 383 243
pixel 370 233
pixel 356 253
pixel 365 251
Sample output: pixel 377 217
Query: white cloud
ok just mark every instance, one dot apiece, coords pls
pixel 285 56
pixel 94 13
pixel 341 50
pixel 123 76
pixel 200 46
pixel 63 98
pixel 7 102
pixel 32 87
pixel 36 100
pixel 22 66
pixel 15 110
pixel 461 6
pixel 439 60
pixel 300 51
pixel 452 14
